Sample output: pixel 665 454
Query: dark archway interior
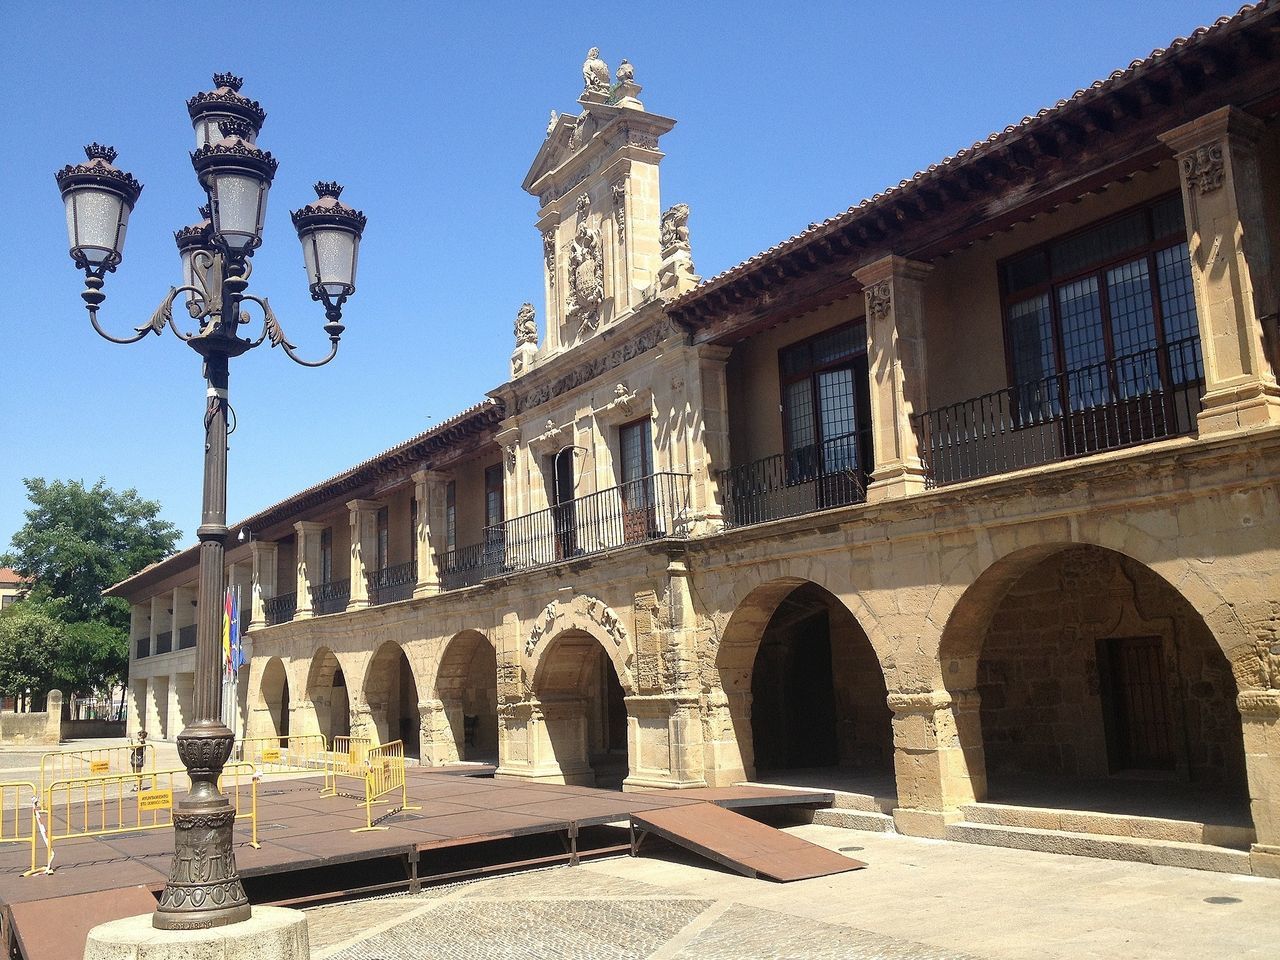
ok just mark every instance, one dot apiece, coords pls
pixel 327 690
pixel 275 694
pixel 1097 678
pixel 818 697
pixel 467 685
pixel 392 694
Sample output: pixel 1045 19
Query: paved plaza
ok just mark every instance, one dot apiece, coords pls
pixel 918 900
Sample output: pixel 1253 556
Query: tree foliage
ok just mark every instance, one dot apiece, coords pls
pixel 76 542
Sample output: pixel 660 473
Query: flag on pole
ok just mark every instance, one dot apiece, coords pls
pixel 226 632
pixel 237 641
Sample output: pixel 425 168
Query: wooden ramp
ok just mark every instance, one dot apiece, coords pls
pixel 57 929
pixel 743 845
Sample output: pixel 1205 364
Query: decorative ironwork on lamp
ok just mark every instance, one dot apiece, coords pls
pixel 204 888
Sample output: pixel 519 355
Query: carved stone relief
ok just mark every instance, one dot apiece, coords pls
pixel 595 610
pixel 879 298
pixel 619 189
pixel 586 278
pixel 1203 167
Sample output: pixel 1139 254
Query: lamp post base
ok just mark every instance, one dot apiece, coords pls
pixel 204 888
pixel 274 933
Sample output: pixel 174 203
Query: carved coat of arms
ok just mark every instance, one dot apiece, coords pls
pixel 586 277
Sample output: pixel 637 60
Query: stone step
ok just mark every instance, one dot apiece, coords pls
pixel 1110 824
pixel 1168 853
pixel 853 820
pixel 864 802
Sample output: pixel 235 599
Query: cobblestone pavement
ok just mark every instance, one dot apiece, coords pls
pixel 918 900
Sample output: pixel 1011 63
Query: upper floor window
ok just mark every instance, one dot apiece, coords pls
pixel 493 495
pixel 1103 314
pixel 635 448
pixel 826 403
pixel 384 537
pixel 326 555
pixel 413 531
pixel 451 515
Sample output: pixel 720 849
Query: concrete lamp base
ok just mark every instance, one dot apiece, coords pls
pixel 272 933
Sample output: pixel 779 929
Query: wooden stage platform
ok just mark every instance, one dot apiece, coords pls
pixel 467 825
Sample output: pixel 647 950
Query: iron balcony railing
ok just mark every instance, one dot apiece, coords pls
pixel 143 647
pixel 650 508
pixel 1145 396
pixel 392 583
pixel 814 477
pixel 281 607
pixel 164 642
pixel 187 637
pixel 465 566
pixel 330 597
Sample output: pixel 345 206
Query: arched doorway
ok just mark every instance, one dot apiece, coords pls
pixel 1099 687
pixel 275 698
pixel 583 707
pixel 327 691
pixel 467 687
pixel 392 694
pixel 817 705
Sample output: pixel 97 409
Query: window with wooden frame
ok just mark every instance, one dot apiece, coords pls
pixel 451 516
pixel 826 403
pixel 326 555
pixel 493 495
pixel 1103 314
pixel 413 531
pixel 384 537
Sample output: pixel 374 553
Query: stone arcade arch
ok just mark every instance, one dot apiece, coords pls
pixel 802 687
pixel 274 691
pixel 327 691
pixel 464 725
pixel 1082 678
pixel 581 698
pixel 391 692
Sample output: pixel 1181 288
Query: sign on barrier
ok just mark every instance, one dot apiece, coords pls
pixel 155 799
pixel 96 761
pixel 99 766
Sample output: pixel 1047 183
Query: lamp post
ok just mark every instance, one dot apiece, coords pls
pixel 204 888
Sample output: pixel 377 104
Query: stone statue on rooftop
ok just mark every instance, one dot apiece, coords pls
pixel 551 124
pixel 674 227
pixel 526 325
pixel 595 73
pixel 626 72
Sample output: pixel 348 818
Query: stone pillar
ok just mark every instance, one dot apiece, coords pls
pixel 364 548
pixel 182 698
pixel 265 557
pixel 1230 266
pixel 936 744
pixel 714 456
pixel 157 612
pixel 307 547
pixel 1260 722
pixel 53 725
pixel 894 292
pixel 430 490
pixel 441 731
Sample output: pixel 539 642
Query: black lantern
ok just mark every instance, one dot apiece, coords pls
pixel 208 110
pixel 237 176
pixel 98 200
pixel 193 240
pixel 329 231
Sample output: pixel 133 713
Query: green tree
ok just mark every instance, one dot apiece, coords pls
pixel 30 643
pixel 78 541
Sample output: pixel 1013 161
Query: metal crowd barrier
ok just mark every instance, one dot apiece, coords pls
pixel 307 753
pixel 92 762
pixel 18 816
pixel 346 759
pixel 101 806
pixel 384 775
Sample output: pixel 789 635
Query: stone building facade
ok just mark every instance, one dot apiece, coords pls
pixel 971 485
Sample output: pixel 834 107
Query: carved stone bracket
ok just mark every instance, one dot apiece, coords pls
pixel 1203 168
pixel 879 298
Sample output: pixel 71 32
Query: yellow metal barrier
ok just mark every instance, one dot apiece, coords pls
pixel 279 755
pixel 94 762
pixel 18 816
pixel 347 759
pixel 384 775
pixel 104 806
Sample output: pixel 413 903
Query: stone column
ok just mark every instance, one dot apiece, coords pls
pixel 157 611
pixel 441 731
pixel 265 556
pixel 937 759
pixel 1260 722
pixel 307 547
pixel 430 490
pixel 894 292
pixel 364 548
pixel 713 397
pixel 1230 266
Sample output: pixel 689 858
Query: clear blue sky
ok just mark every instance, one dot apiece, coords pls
pixel 430 113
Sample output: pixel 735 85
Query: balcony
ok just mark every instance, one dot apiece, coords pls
pixel 187 637
pixel 1140 398
pixel 650 508
pixel 164 642
pixel 463 566
pixel 330 597
pixel 816 477
pixel 281 608
pixel 392 583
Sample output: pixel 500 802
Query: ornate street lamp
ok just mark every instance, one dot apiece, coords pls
pixel 204 888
